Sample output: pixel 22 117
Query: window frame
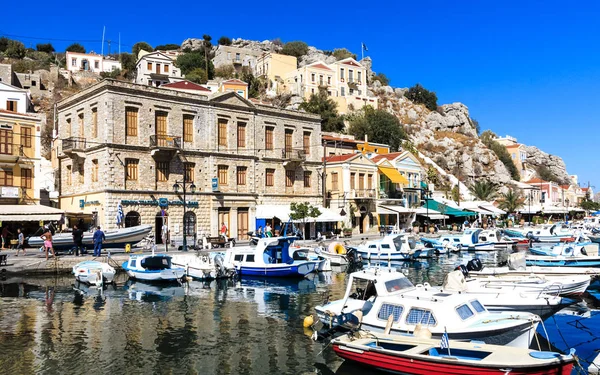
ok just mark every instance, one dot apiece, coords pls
pixel 6 177
pixel 188 128
pixel 94 122
pixel 132 165
pixel 241 134
pixel 334 181
pixel 306 143
pixel 6 141
pixel 131 121
pixel 26 178
pixel 222 173
pixel 26 134
pixel 270 177
pixel 241 175
pixel 392 305
pixel 290 178
pixel 162 171
pixel 95 168
pixel 188 172
pixel 222 132
pixel 307 179
pixel 269 133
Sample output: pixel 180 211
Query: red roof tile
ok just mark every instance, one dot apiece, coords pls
pixel 235 82
pixel 585 189
pixel 390 156
pixel 339 158
pixel 320 66
pixel 185 85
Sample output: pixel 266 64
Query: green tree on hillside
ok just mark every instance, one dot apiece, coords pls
pixel 45 47
pixel 379 125
pixel 135 50
pixel 488 138
pixel 193 60
pixel 3 43
pixel 297 49
pixel 224 41
pixel 166 47
pixel 128 62
pixel 342 53
pixel 255 85
pixel 75 47
pixel 419 94
pixel 385 81
pixel 15 50
pixel 321 104
pixel 197 75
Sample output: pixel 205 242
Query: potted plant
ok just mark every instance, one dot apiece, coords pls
pixel 346 231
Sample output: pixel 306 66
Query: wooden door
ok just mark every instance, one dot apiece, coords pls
pixel 242 223
pixel 161 128
pixel 157 68
pixel 224 218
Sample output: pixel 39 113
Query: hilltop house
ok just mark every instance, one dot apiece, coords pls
pixel 237 57
pixel 90 62
pixel 156 69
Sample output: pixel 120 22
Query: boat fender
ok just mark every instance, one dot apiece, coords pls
pixel 568 250
pixel 308 321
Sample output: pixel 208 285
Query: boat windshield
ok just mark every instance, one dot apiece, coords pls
pixel 398 243
pixel 364 289
pixel 398 284
pixel 412 243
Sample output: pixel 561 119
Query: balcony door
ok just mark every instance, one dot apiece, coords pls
pixel 161 128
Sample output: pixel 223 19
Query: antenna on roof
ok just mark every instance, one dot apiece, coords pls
pixel 103 31
pixel 119 44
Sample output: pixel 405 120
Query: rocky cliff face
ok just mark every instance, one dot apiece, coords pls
pixel 555 164
pixel 447 136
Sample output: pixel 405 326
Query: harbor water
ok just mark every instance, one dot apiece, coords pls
pixel 248 326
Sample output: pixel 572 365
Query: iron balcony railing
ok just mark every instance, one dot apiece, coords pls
pixel 73 143
pixel 165 141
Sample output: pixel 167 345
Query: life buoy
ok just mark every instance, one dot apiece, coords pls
pixel 336 248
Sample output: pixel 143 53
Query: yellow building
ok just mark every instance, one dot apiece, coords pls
pixel 235 85
pixel 351 185
pixel 275 67
pixel 518 153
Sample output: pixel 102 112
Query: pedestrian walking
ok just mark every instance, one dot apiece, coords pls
pixel 165 233
pixel 78 240
pixel 98 239
pixel 20 242
pixel 5 234
pixel 47 237
pixel 223 231
pixel 268 232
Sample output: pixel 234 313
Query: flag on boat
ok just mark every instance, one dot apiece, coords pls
pixel 120 214
pixel 445 344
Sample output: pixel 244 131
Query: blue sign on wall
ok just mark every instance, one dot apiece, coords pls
pixel 81 203
pixel 163 202
pixel 215 184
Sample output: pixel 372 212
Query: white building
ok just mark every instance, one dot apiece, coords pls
pixel 90 62
pixel 155 69
pixel 13 99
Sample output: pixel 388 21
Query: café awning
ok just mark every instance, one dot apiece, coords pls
pixel 446 209
pixel 29 212
pixel 282 212
pixel 393 175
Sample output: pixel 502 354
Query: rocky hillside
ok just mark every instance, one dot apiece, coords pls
pixel 555 164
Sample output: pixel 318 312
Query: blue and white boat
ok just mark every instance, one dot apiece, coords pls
pixel 468 240
pixel 392 247
pixel 583 248
pixel 567 255
pixel 151 267
pixel 550 233
pixel 272 257
pixel 114 238
pixel 441 247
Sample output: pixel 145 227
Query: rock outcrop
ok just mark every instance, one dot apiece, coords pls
pixel 315 55
pixel 555 164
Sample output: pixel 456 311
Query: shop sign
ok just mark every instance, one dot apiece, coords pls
pixel 9 192
pixel 161 202
pixel 215 184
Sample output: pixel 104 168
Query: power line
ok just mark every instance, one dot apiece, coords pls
pixel 56 39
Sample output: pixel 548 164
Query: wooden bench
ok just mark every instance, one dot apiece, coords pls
pixel 3 259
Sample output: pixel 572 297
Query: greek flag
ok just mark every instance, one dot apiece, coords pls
pixel 444 344
pixel 364 47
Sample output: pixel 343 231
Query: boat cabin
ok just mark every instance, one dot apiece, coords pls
pixel 151 263
pixel 393 242
pixel 269 250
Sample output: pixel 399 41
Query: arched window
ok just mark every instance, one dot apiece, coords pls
pixel 190 223
pixel 132 219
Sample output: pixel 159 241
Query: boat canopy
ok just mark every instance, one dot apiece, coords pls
pixel 446 209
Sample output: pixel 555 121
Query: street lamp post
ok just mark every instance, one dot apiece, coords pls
pixel 529 201
pixel 176 188
pixel 567 212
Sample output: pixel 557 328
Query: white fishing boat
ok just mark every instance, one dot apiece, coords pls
pixel 300 253
pixel 271 257
pixel 114 238
pixel 580 248
pixel 151 267
pixel 93 272
pixel 468 240
pixel 203 266
pixel 517 267
pixel 549 233
pixel 392 247
pixel 335 252
pixel 497 238
pixel 379 293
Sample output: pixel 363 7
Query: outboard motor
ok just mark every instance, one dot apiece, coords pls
pixel 474 265
pixel 462 269
pixel 219 268
pixel 354 260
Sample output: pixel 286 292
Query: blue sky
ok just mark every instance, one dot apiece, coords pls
pixel 529 69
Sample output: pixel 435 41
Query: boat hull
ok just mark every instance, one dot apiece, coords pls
pixel 93 273
pixel 412 365
pixel 168 275
pixel 389 256
pixel 558 261
pixel 114 238
pixel 279 270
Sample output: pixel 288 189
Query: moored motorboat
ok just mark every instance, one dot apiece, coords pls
pixel 151 267
pixel 93 272
pixel 335 252
pixel 422 355
pixel 114 238
pixel 206 266
pixel 468 240
pixel 271 257
pixel 495 236
pixel 377 293
pixel 394 247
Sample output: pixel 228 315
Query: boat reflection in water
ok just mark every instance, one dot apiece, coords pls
pixel 148 292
